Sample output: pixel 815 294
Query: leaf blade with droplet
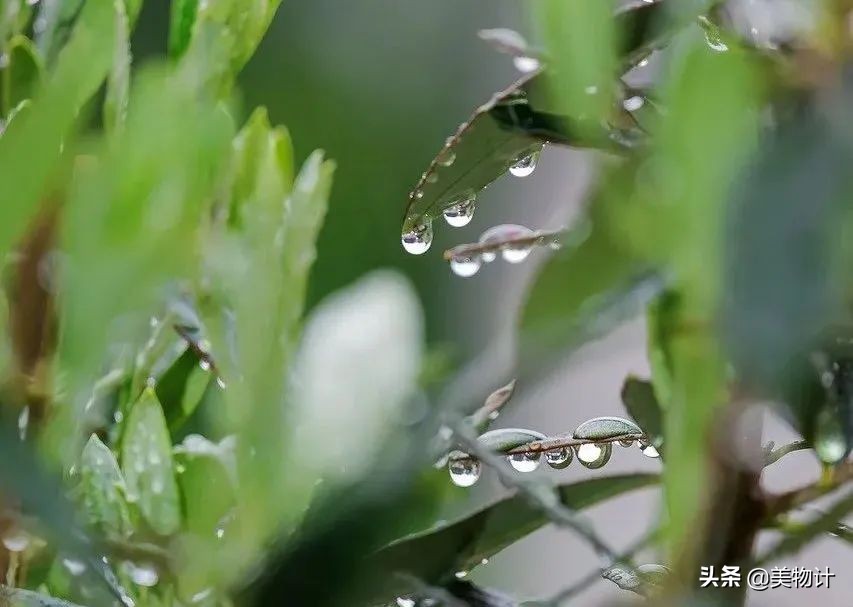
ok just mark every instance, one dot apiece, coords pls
pixel 103 489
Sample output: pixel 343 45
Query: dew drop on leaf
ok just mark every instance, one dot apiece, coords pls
pixel 525 65
pixel 515 254
pixel 404 601
pixel 626 443
pixel 525 166
pixel 559 458
pixel 648 449
pixel 524 462
pixel 501 233
pixel 463 472
pixel 446 157
pixel 142 574
pixel 418 240
pixel 460 574
pixel 632 104
pixel 593 455
pixel 465 266
pixel 461 213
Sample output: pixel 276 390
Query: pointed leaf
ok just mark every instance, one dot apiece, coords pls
pixel 181 26
pixel 146 459
pixel 639 399
pixel 435 554
pixel 24 73
pixel 181 388
pixel 207 482
pixel 104 489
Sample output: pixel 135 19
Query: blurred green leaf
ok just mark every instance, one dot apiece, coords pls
pixel 183 14
pixel 30 147
pixel 436 554
pixel 57 20
pixel 118 81
pixel 146 460
pixel 207 483
pixel 20 597
pixel 640 401
pixel 104 489
pixel 21 76
pixel 181 388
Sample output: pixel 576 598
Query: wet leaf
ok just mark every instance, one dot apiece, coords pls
pixel 639 399
pixel 22 74
pixel 207 483
pixel 118 81
pixel 436 554
pixel 104 489
pixel 146 460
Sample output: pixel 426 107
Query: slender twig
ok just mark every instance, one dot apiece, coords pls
pixel 541 496
pixel 203 355
pixel 476 249
pixel 778 453
pixel 557 442
pixel 779 504
pixel 492 407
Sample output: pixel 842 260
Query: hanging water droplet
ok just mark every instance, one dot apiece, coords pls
pixel 418 240
pixel 464 472
pixel 516 253
pixel 632 104
pixel 525 166
pixel 484 561
pixel 461 213
pixel 16 540
pixel 74 566
pixel 142 574
pixel 524 462
pixel 4 60
pixel 649 450
pixel 526 65
pixel 404 601
pixel 460 574
pixel 593 455
pixel 465 266
pixel 626 443
pixel 829 443
pixel 446 157
pixel 502 233
pixel 559 458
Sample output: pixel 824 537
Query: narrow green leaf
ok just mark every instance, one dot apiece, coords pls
pixel 104 489
pixel 181 388
pixel 118 82
pixel 146 460
pixel 183 14
pixel 21 77
pixel 436 554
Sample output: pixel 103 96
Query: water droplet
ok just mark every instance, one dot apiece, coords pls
pixel 463 472
pixel 460 574
pixel 465 266
pixel 221 383
pixel 204 364
pixel 829 444
pixel 525 166
pixel 74 566
pixel 559 458
pixel 419 194
pixel 118 416
pixel 524 462
pixel 715 43
pixel 626 443
pixel 643 63
pixel 649 450
pixel 461 213
pixel 516 254
pixel 404 601
pixel 418 240
pixel 4 60
pixel 431 177
pixel 526 65
pixel 593 455
pixel 484 561
pixel 502 233
pixel 142 574
pixel 16 540
pixel 632 104
pixel 220 532
pixel 446 157
pixel 23 423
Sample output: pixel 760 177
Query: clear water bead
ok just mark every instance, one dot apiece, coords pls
pixel 502 233
pixel 524 462
pixel 626 443
pixel 446 157
pixel 632 104
pixel 460 214
pixel 465 266
pixel 418 240
pixel 559 458
pixel 404 601
pixel 648 449
pixel 464 472
pixel 594 455
pixel 525 166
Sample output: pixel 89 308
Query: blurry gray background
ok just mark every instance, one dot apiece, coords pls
pixel 379 84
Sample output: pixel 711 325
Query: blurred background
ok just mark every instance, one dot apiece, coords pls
pixel 379 84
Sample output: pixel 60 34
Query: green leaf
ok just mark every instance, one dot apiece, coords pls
pixel 30 147
pixel 146 459
pixel 104 489
pixel 27 598
pixel 640 401
pixel 207 482
pixel 118 82
pixel 181 388
pixel 21 77
pixel 436 554
pixel 183 14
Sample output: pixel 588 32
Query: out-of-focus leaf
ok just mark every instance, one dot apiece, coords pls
pixel 104 489
pixel 207 483
pixel 181 388
pixel 23 73
pixel 118 81
pixel 56 23
pixel 181 25
pixel 146 460
pixel 640 401
pixel 30 146
pixel 20 597
pixel 434 555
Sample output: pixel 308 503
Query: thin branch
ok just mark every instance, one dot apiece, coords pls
pixel 203 355
pixel 775 455
pixel 779 504
pixel 557 442
pixel 475 249
pixel 541 496
pixel 492 407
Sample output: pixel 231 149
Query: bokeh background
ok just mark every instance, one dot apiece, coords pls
pixel 379 84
